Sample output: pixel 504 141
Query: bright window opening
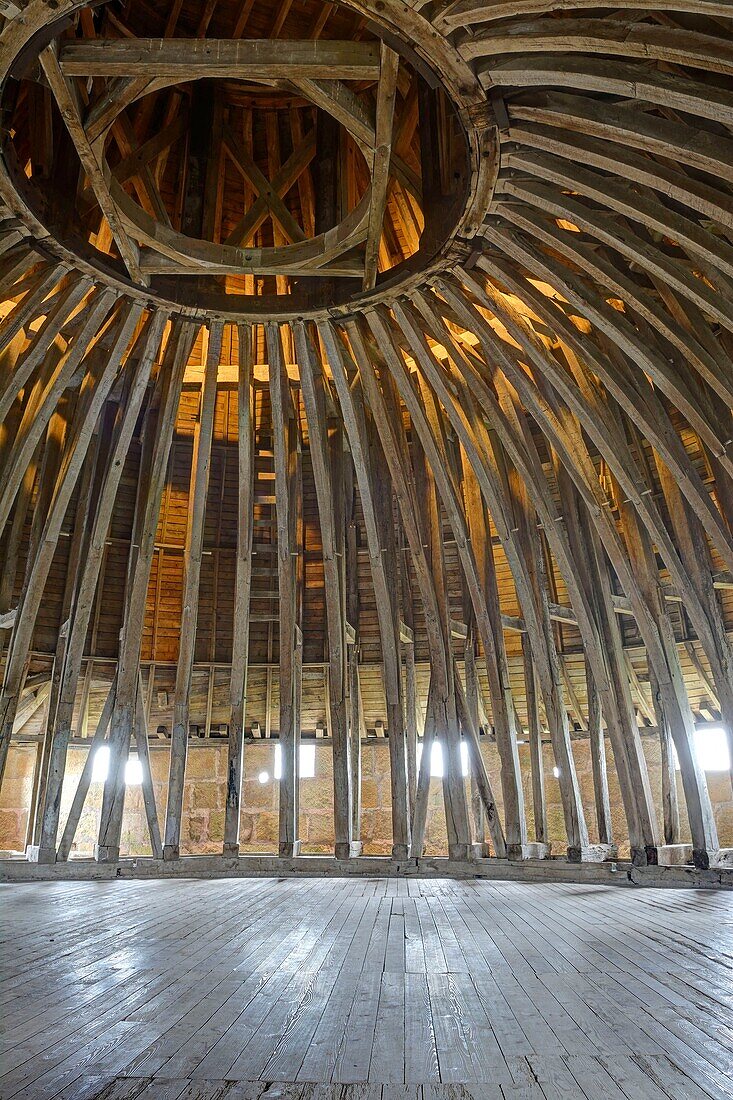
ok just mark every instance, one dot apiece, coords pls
pixel 100 767
pixel 556 772
pixel 711 749
pixel 436 758
pixel 263 777
pixel 307 762
pixel 133 772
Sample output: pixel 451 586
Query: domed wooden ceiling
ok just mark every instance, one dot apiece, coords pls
pixel 481 254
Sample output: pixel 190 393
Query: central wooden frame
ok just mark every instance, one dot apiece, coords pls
pixel 181 266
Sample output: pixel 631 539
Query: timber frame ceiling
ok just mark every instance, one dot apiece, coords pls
pixel 469 267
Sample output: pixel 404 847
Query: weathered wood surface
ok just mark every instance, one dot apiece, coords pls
pixel 537 420
pixel 425 990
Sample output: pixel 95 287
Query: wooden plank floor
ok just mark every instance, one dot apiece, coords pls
pixel 368 988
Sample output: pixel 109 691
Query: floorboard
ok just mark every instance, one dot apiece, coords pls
pixel 364 989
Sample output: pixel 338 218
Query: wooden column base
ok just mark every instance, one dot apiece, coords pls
pixel 461 852
pixel 348 849
pixel 704 858
pixel 662 855
pixel 401 852
pixel 35 854
pixel 531 850
pixel 105 853
pixel 593 853
pixel 289 850
pixel 171 851
pixel 230 851
pixel 481 851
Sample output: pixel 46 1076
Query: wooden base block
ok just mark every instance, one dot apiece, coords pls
pixel 703 858
pixel 480 851
pixel 593 853
pixel 35 854
pixel 400 852
pixel 171 852
pixel 662 855
pixel 531 850
pixel 460 852
pixel 348 849
pixel 105 853
pixel 289 850
pixel 230 851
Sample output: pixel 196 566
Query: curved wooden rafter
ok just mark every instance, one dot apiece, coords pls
pixel 544 408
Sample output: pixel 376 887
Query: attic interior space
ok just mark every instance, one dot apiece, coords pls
pixel 366 542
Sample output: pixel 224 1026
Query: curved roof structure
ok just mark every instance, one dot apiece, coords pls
pixel 402 332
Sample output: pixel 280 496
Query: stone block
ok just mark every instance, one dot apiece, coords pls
pixel 12 831
pixel 216 827
pixel 208 796
pixel 197 827
pixel 203 763
pixel 267 827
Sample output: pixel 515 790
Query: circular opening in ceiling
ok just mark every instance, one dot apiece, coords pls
pixel 235 158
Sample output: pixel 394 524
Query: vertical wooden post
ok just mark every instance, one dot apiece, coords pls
pixel 539 803
pixel 85 779
pixel 410 690
pixel 352 409
pixel 242 590
pixel 77 554
pixel 311 380
pixel 172 371
pixel 670 797
pixel 478 814
pixel 695 553
pixel 355 709
pixel 198 491
pixel 136 381
pixel 664 661
pixel 391 434
pixel 143 753
pixel 103 365
pixel 286 446
pixel 598 760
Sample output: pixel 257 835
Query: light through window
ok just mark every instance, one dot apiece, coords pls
pixel 133 772
pixel 100 767
pixel 711 749
pixel 436 758
pixel 307 762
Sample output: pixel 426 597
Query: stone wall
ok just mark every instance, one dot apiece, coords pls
pixel 204 796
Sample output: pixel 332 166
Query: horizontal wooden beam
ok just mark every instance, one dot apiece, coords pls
pixel 257 59
pixel 156 263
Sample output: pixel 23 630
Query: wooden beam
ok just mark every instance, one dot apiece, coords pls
pixel 102 371
pixel 287 486
pixel 267 191
pixel 242 590
pixel 176 59
pixel 199 485
pixel 312 389
pixel 67 98
pixel 386 93
pixel 344 372
pixel 85 779
pixel 171 374
pixel 136 382
pixel 390 429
